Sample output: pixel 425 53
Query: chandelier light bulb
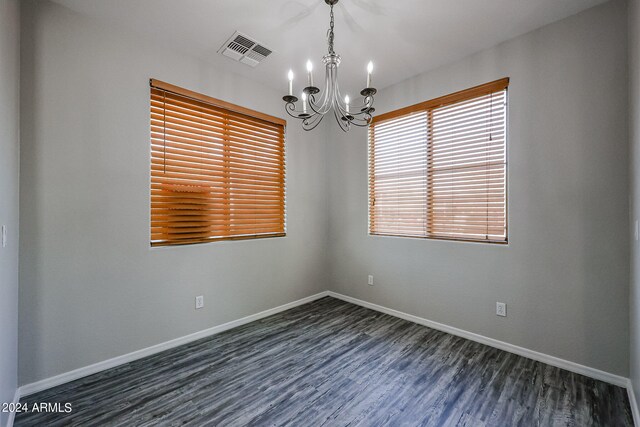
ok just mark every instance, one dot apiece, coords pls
pixel 369 72
pixel 309 72
pixel 304 103
pixel 290 76
pixel 346 101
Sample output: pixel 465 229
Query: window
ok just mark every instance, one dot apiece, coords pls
pixel 217 170
pixel 438 169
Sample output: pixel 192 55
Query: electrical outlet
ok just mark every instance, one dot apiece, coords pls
pixel 4 236
pixel 501 309
pixel 199 301
pixel 370 280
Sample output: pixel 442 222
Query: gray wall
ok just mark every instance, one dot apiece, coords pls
pixel 565 272
pixel 9 174
pixel 634 138
pixel 90 286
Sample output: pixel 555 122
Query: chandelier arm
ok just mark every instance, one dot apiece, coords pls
pixel 346 117
pixel 354 118
pixel 340 109
pixel 360 123
pixel 343 124
pixel 342 106
pixel 359 114
pixel 310 123
pixel 289 107
pixel 317 109
pixel 367 108
pixel 337 100
pixel 291 111
pixel 323 106
pixel 338 96
pixel 367 101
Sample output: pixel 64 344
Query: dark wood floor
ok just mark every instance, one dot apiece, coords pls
pixel 335 364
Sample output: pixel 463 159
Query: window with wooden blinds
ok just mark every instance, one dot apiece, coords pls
pixel 438 169
pixel 217 169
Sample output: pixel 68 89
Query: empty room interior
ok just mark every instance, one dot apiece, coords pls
pixel 319 213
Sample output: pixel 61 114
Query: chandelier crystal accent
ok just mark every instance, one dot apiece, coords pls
pixel 316 104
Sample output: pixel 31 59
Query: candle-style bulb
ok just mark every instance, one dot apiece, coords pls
pixel 290 76
pixel 304 102
pixel 346 101
pixel 370 67
pixel 309 72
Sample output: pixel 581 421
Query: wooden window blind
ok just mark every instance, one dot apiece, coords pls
pixel 217 169
pixel 438 169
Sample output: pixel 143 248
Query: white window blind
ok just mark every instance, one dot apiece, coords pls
pixel 438 169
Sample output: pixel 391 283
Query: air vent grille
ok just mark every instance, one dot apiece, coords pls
pixel 261 50
pixel 243 48
pixel 238 48
pixel 255 56
pixel 241 40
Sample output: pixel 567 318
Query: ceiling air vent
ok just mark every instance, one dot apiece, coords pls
pixel 244 49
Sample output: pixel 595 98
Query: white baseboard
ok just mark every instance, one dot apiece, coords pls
pixel 521 351
pixel 633 402
pixel 12 415
pixel 66 377
pixel 47 383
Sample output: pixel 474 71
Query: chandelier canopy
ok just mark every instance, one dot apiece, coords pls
pixel 316 104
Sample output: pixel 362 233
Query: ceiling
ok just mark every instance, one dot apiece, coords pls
pixel 402 37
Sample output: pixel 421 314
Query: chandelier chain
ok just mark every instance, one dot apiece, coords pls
pixel 331 51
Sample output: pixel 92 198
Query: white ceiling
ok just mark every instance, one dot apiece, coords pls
pixel 402 37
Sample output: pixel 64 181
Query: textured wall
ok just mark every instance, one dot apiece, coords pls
pixel 565 272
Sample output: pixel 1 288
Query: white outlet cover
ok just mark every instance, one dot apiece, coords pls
pixel 199 301
pixel 370 280
pixel 501 309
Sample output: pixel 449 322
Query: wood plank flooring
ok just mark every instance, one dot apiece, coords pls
pixel 331 363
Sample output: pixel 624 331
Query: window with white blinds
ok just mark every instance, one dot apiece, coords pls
pixel 217 169
pixel 438 169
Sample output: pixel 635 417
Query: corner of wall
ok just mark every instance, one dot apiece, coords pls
pixel 634 191
pixel 9 194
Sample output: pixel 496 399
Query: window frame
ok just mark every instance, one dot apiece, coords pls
pixel 155 84
pixel 427 107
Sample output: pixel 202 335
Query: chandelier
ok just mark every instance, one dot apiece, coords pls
pixel 316 104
